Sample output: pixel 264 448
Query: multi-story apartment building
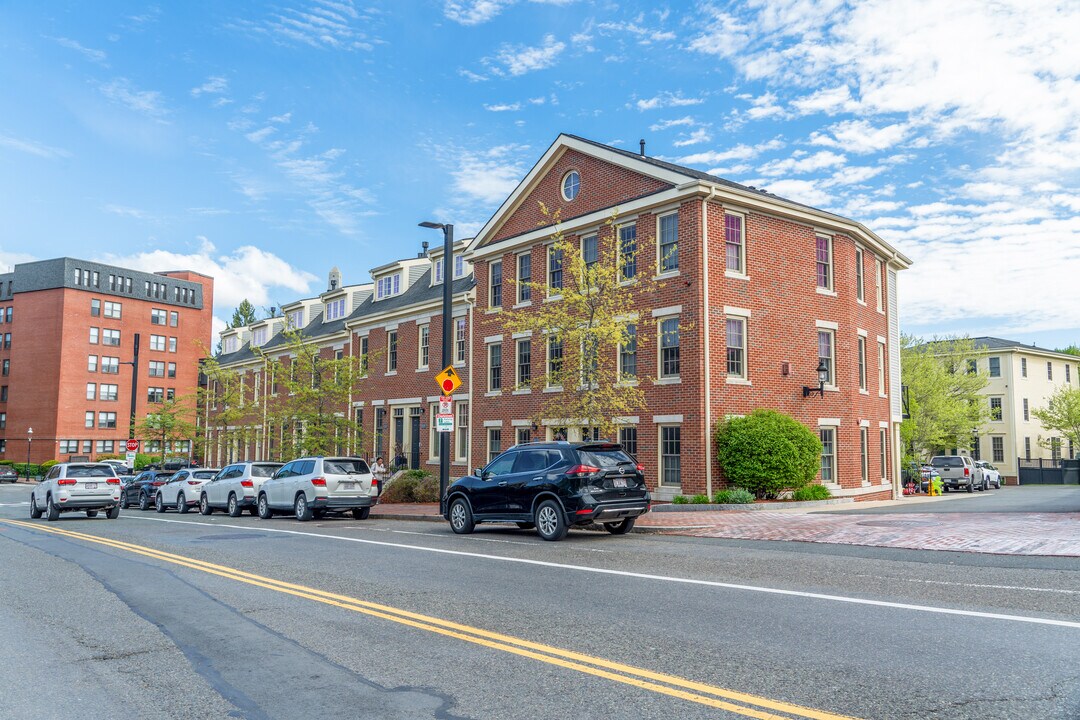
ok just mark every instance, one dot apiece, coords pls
pixel 69 329
pixel 758 293
pixel 1021 379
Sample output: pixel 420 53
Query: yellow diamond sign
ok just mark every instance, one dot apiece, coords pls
pixel 448 380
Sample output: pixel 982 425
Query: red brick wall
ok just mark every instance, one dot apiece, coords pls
pixel 603 185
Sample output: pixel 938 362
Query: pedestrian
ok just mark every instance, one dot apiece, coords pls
pixel 379 468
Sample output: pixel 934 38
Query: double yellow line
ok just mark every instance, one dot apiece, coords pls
pixel 721 698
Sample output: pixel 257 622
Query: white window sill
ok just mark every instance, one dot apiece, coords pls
pixel 459 363
pixel 881 311
pixel 423 369
pixel 831 388
pixel 667 275
pixel 882 395
pixel 735 275
pixel 631 281
pixel 552 298
pixel 628 383
pixel 667 381
pixel 864 392
pixel 391 373
pixel 861 302
pixel 493 393
pixel 553 389
pixel 738 381
pixel 525 304
pixel 865 483
pixel 825 291
pixel 492 311
pixel 525 391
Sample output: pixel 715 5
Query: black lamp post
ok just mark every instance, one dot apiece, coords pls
pixel 447 341
pixel 822 376
pixel 29 437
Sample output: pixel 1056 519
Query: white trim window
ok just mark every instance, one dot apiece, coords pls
pixel 590 253
pixel 391 351
pixel 826 352
pixel 335 309
pixel 883 435
pixel 433 434
pixel 524 435
pixel 862 363
pixel 554 360
pixel 628 439
pixel 828 454
pixel 437 272
pixel 494 367
pixel 524 362
pixel 524 277
pixel 459 338
pixel 864 457
pixel 494 443
pixel 669 347
pixel 734 245
pixel 824 264
pixel 997 448
pixel 995 409
pixel 670 447
pixel 735 339
pixel 296 319
pixel 495 284
pixel 554 271
pixel 880 285
pixel 459 266
pixel 570 186
pixel 388 286
pixel 667 233
pixel 860 281
pixel 461 432
pixel 628 251
pixel 423 357
pixel 882 387
pixel 628 355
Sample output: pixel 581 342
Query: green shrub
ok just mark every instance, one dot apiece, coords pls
pixel 412 486
pixel 722 497
pixel 768 452
pixel 811 492
pixel 46 465
pixel 699 500
pixel 679 500
pixel 740 496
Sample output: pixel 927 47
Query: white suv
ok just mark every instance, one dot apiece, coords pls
pixel 77 486
pixel 309 487
pixel 183 489
pixel 235 487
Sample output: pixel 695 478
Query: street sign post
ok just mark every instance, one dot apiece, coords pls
pixel 444 422
pixel 448 380
pixel 129 459
pixel 446 405
pixel 132 446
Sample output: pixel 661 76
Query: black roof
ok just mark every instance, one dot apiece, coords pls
pixel 994 343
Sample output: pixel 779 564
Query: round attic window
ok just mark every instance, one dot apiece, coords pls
pixel 571 185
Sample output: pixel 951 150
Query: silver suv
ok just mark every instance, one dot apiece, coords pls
pixel 77 486
pixel 183 489
pixel 235 487
pixel 309 487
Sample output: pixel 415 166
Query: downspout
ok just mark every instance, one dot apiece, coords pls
pixel 468 456
pixel 705 356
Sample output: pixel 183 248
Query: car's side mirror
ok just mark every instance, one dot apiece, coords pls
pixel 478 472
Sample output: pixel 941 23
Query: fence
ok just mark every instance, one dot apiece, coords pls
pixel 1049 472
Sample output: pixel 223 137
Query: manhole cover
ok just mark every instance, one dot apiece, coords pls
pixel 899 523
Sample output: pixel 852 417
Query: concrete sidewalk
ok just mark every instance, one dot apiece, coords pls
pixel 1051 534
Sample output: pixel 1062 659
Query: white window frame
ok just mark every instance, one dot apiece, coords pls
pixel 830 265
pixel 883 389
pixel 461 341
pixel 547 362
pixel 834 434
pixel 878 267
pixel 391 351
pixel 620 262
pixel 461 431
pixel 831 381
pixel 883 436
pixel 491 366
pixel 741 272
pixel 549 254
pixel 660 454
pixel 862 363
pixel 491 285
pixel 423 344
pixel 522 292
pixel 661 375
pixel 860 276
pixel 864 454
pixel 517 362
pixel 660 271
pixel 744 376
pixel 622 369
pixel 491 431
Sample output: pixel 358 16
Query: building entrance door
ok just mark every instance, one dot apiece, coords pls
pixel 414 438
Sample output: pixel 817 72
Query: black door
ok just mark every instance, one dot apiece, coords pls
pixel 527 479
pixel 399 439
pixel 414 444
pixel 489 492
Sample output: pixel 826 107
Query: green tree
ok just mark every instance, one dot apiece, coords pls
pixel 767 452
pixel 1061 414
pixel 311 409
pixel 593 317
pixel 244 314
pixel 169 423
pixel 224 418
pixel 943 397
pixel 1073 349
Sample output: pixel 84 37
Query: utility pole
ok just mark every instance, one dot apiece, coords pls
pixel 447 345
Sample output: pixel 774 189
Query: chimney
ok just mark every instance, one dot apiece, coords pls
pixel 642 144
pixel 424 252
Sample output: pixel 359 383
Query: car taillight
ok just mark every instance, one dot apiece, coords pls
pixel 193 482
pixel 967 471
pixel 580 470
pixel 65 481
pixel 158 483
pixel 246 483
pixel 112 481
pixel 318 482
pixel 639 467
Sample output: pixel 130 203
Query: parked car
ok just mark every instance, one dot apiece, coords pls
pixel 957 472
pixel 991 475
pixel 310 487
pixel 119 465
pixel 8 474
pixel 90 487
pixel 182 490
pixel 141 489
pixel 552 486
pixel 235 487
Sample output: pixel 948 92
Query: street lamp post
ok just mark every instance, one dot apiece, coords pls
pixel 447 340
pixel 29 437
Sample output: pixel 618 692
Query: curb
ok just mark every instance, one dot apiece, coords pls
pixel 794 505
pixel 402 516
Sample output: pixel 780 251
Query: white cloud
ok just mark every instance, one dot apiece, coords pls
pixel 145 102
pixel 859 136
pixel 694 138
pixel 33 147
pixel 800 165
pixel 258 136
pixel 665 124
pixel 666 99
pixel 827 100
pixel 517 60
pixel 474 12
pixel 643 33
pixel 321 24
pixel 503 107
pixel 765 106
pixel 739 152
pixel 214 85
pixel 124 211
pixel 97 56
pixel 808 192
pixel 488 175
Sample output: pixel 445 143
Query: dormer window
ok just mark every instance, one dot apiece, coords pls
pixel 438 271
pixel 296 318
pixel 387 286
pixel 258 337
pixel 232 344
pixel 335 309
pixel 459 266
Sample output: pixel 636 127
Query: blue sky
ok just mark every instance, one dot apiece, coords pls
pixel 264 142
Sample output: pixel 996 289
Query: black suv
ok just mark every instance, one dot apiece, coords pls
pixel 140 490
pixel 552 486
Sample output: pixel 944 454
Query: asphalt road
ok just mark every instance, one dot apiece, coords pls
pixel 168 616
pixel 1009 499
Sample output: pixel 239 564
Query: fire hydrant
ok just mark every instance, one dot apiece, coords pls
pixel 935 486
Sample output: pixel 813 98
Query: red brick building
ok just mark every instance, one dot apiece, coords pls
pixel 757 292
pixel 68 334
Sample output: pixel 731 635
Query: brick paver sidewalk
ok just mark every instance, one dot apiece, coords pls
pixel 1055 534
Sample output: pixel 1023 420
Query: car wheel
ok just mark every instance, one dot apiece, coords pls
pixel 181 504
pixel 144 502
pixel 91 513
pixel 461 519
pixel 35 513
pixel 550 523
pixel 113 512
pixel 204 505
pixel 620 528
pixel 525 525
pixel 945 488
pixel 53 510
pixel 971 487
pixel 123 500
pixel 159 504
pixel 264 508
pixel 233 506
pixel 361 513
pixel 302 509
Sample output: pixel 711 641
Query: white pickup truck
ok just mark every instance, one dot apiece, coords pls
pixel 958 472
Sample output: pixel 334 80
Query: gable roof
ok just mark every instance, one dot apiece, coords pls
pixel 994 343
pixel 665 171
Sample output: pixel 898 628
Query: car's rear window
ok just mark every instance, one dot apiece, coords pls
pixel 204 474
pixel 90 471
pixel 604 458
pixel 263 470
pixel 345 466
pixel 951 462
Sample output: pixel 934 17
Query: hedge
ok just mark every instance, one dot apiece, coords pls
pixel 768 452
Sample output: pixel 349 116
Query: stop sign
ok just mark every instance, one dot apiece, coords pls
pixel 132 445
